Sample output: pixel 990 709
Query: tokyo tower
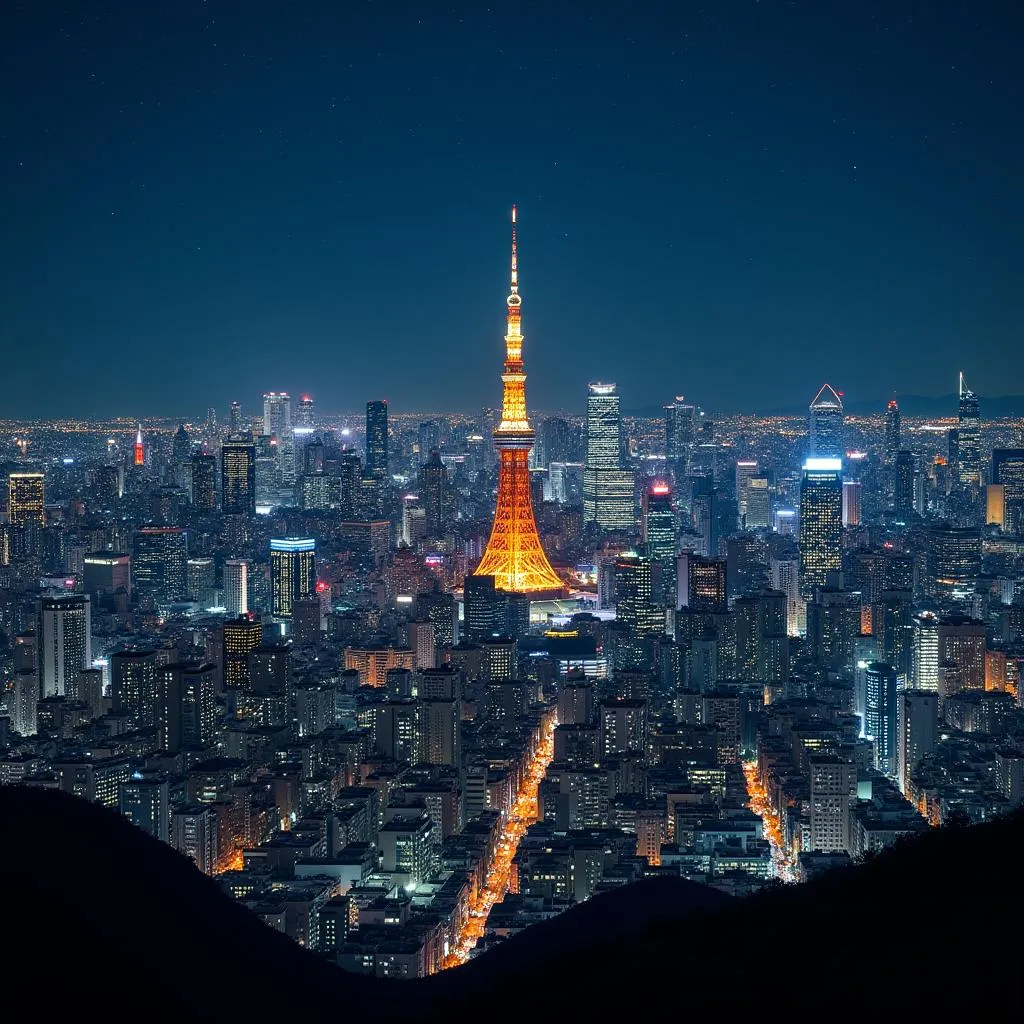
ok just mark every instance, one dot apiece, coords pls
pixel 514 556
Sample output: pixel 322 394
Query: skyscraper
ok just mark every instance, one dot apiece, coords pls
pixel 680 434
pixel 607 488
pixel 240 636
pixel 825 422
pixel 277 425
pixel 133 686
pixel 658 530
pixel 64 629
pixel 851 502
pixel 918 722
pixel 236 587
pixel 892 431
pixel 1008 472
pixel 377 439
pixel 158 563
pixel 238 475
pixel 745 469
pixel 26 499
pixel 880 714
pixel 292 573
pixel 514 556
pixel 953 561
pixel 635 609
pixel 821 522
pixel 204 482
pixel 905 470
pixel 435 495
pixel 968 447
pixel 304 413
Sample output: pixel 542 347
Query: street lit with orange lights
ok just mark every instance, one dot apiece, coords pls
pixel 523 814
pixel 759 803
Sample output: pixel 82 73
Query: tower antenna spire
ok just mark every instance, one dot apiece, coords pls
pixel 515 256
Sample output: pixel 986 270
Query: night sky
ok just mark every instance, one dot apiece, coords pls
pixel 734 201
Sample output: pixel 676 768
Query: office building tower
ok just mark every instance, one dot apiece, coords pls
pixel 377 439
pixel 235 418
pixel 304 418
pixel 179 470
pixel 238 475
pixel 1008 473
pixel 277 414
pixel 821 521
pixel 64 638
pixel 292 573
pixel 892 432
pixel 158 563
pixel 239 637
pixel 918 722
pixel 680 435
pixel 236 587
pixel 435 494
pixel 962 645
pixel 833 790
pixel 204 482
pixel 26 499
pixel 555 442
pixel 145 801
pixel 995 506
pixel 441 611
pixel 926 651
pixel 483 609
pixel 953 560
pixel 658 531
pixel 968 438
pixel 514 556
pixel 133 686
pixel 881 713
pixel 608 499
pixel 635 610
pixel 784 576
pixel 851 502
pixel 186 706
pixel 194 833
pixel 745 469
pixel 702 583
pixel 23 702
pixel 140 448
pixel 106 572
pixel 428 438
pixel 826 426
pixel 758 512
pixel 200 581
pixel 904 477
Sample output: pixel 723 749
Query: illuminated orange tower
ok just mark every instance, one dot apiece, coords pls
pixel 140 448
pixel 514 556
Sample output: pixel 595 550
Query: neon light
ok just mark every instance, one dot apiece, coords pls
pixel 823 465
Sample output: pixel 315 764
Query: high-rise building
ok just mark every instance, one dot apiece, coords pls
pixel 1008 473
pixel 745 469
pixel 514 556
pixel 277 426
pixel 995 506
pixel 106 572
pixel 968 447
pixel 702 583
pixel 607 487
pixel 238 475
pixel 851 502
pixel 483 609
pixel 918 731
pixel 880 714
pixel 784 575
pixel 758 514
pixel 158 563
pixel 26 499
pixel 821 521
pixel 377 439
pixel 186 706
pixel 826 426
pixel 962 645
pixel 204 482
pixel 953 561
pixel 235 418
pixel 892 431
pixel 904 476
pixel 926 651
pixel 833 790
pixel 140 448
pixel 292 573
pixel 240 637
pixel 236 587
pixel 435 495
pixel 680 435
pixel 145 801
pixel 200 581
pixel 133 688
pixel 635 609
pixel 64 631
pixel 555 442
pixel 658 530
pixel 304 417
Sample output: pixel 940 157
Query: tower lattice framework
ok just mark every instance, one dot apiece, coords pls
pixel 514 556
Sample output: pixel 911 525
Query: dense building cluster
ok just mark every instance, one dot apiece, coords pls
pixel 404 693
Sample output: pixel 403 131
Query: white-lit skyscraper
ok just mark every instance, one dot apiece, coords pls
pixel 825 425
pixel 236 587
pixel 292 573
pixel 607 487
pixel 821 522
pixel 65 642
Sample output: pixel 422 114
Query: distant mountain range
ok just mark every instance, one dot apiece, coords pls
pixel 926 406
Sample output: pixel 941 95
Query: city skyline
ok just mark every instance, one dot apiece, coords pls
pixel 773 182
